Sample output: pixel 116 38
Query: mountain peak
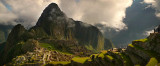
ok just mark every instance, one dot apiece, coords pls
pixel 51 12
pixel 53 6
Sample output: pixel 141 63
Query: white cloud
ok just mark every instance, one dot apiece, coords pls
pixel 110 13
pixel 155 4
pixel 28 10
pixel 6 16
pixel 107 12
pixel 147 33
pixel 149 1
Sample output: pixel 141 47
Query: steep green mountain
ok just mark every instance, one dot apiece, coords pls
pixel 55 24
pixel 55 37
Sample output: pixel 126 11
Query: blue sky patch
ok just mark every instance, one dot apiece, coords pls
pixel 77 0
pixel 6 5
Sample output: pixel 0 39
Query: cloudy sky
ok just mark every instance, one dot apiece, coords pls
pixel 120 20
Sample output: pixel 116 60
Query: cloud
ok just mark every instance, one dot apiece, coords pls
pixel 147 33
pixel 115 18
pixel 6 16
pixel 155 4
pixel 110 13
pixel 25 12
pixel 139 20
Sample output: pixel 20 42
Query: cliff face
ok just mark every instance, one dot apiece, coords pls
pixel 4 31
pixel 57 25
pixel 54 31
pixel 2 35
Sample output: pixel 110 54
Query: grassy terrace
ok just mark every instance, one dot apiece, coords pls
pixel 89 47
pixel 152 62
pixel 142 40
pixel 60 62
pixel 51 47
pixel 101 55
pixel 149 52
pixel 94 55
pixel 80 59
pixel 131 45
pixel 109 57
pixel 137 47
pixel 48 46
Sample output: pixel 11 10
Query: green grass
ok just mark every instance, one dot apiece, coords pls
pixel 109 57
pixel 151 53
pixel 104 51
pixel 51 47
pixel 131 45
pixel 137 47
pixel 126 60
pixel 80 59
pixel 152 62
pixel 48 46
pixel 89 47
pixel 101 55
pixel 60 62
pixel 67 53
pixel 148 52
pixel 91 57
pixel 95 55
pixel 142 40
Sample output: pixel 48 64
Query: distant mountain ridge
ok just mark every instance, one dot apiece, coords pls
pixel 4 31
